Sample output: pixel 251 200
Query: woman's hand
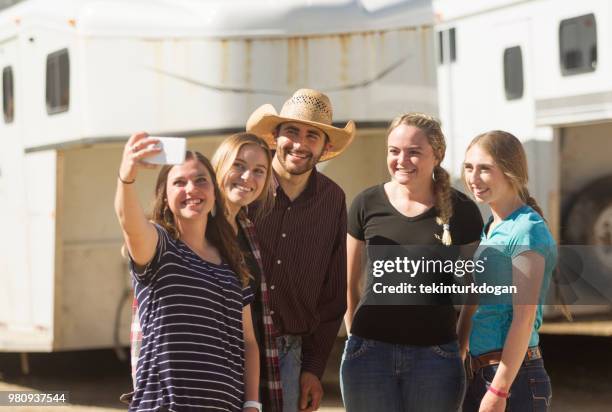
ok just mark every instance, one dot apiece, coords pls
pixel 138 147
pixel 139 234
pixel 492 403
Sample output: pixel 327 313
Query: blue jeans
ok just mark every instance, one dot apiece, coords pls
pixel 530 390
pixel 378 376
pixel 290 360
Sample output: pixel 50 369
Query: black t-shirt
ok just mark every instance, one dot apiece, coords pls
pixel 373 219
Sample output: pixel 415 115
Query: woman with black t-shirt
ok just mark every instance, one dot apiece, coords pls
pixel 405 350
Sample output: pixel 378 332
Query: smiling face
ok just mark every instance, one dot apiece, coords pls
pixel 190 190
pixel 484 178
pixel 246 178
pixel 299 147
pixel 410 157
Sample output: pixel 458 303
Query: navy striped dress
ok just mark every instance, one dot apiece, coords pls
pixel 190 310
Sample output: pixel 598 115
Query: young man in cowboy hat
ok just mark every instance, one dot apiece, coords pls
pixel 303 240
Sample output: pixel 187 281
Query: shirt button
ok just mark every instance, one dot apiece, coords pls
pixel 278 262
pixel 272 287
pixel 284 235
pixel 288 207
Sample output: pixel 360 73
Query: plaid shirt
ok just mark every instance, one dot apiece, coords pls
pixel 272 395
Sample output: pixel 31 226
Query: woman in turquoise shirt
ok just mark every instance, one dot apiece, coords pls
pixel 519 250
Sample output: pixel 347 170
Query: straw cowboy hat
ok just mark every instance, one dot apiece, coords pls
pixel 305 106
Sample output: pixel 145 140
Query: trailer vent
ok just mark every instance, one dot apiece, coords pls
pixel 58 82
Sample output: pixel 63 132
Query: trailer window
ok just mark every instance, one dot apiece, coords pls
pixel 447 48
pixel 58 82
pixel 513 73
pixel 578 45
pixel 8 96
pixel 441 47
pixel 452 45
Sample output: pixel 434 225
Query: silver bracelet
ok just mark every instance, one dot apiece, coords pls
pixel 252 404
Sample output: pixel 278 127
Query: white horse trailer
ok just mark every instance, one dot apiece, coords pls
pixel 542 70
pixel 80 76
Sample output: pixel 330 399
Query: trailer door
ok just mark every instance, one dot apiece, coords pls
pixel 15 296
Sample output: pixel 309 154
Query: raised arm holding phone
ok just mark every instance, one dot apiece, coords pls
pixel 191 284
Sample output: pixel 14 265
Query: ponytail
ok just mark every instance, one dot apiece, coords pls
pixel 530 201
pixel 444 206
pixel 561 305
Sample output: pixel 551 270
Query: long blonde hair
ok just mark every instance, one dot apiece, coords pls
pixel 218 230
pixel 226 154
pixel 509 155
pixel 442 187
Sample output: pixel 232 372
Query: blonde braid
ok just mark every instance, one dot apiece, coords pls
pixel 444 204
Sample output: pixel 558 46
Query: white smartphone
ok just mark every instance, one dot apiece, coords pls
pixel 172 153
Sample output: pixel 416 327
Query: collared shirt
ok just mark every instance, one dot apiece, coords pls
pixel 303 247
pixel 523 230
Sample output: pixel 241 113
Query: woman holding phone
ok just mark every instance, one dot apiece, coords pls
pixel 198 345
pixel 507 365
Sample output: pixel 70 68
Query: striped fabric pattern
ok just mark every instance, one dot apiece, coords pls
pixel 190 311
pixel 135 340
pixel 272 393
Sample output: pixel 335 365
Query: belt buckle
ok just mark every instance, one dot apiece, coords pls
pixel 533 353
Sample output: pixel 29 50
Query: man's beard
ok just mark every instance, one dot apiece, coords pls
pixel 297 170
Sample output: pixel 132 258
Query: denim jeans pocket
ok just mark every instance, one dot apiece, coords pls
pixel 447 350
pixel 488 373
pixel 297 355
pixel 290 346
pixel 355 347
pixel 294 348
pixel 541 393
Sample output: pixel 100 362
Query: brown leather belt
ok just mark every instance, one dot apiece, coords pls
pixel 494 358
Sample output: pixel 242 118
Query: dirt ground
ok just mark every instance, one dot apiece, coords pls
pixel 580 369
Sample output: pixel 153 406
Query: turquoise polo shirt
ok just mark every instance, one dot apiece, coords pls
pixel 523 230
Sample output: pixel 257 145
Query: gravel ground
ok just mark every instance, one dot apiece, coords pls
pixel 580 369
